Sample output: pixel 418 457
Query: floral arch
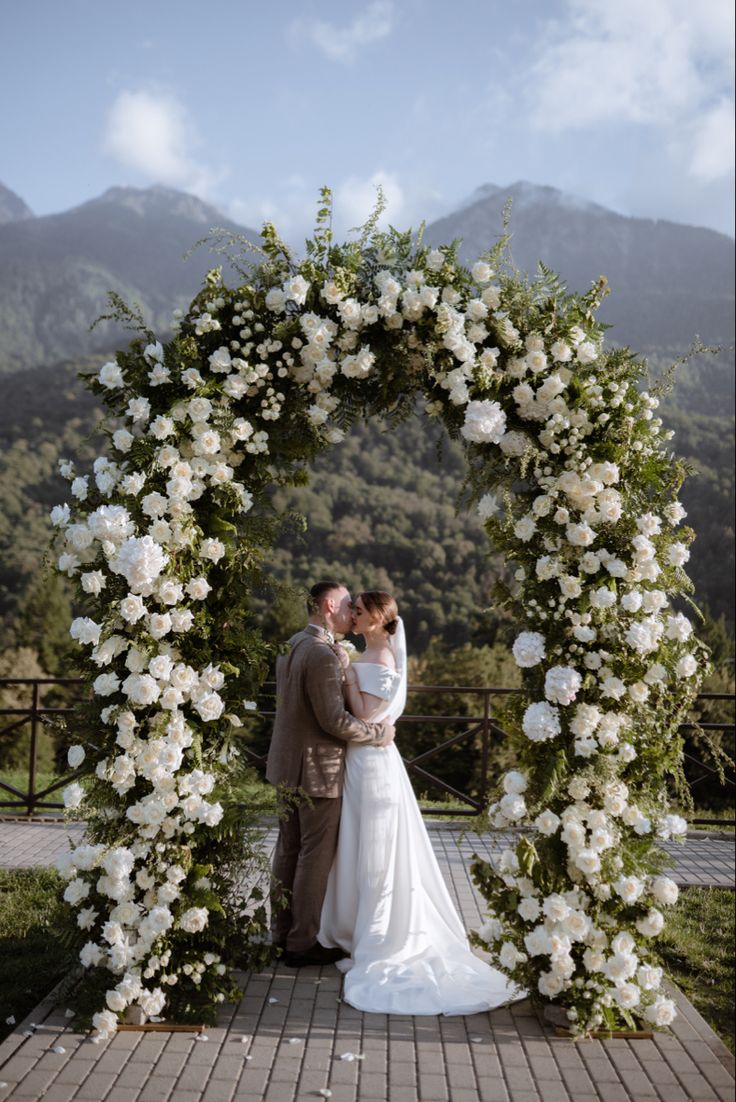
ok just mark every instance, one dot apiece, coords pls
pixel 168 534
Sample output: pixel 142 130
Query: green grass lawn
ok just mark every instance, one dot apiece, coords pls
pixel 697 948
pixel 31 958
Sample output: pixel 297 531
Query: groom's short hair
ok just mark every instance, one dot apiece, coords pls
pixel 317 592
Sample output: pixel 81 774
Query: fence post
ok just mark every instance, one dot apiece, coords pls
pixel 485 748
pixel 34 751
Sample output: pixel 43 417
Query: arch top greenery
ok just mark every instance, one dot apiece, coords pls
pixel 170 531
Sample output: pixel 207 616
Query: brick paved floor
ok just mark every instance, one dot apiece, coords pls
pixel 706 859
pixel 289 1038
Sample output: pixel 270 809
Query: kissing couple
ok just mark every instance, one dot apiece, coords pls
pixel 355 879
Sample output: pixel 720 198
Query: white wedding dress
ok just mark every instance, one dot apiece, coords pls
pixel 386 902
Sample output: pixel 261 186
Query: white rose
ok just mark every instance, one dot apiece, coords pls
pixel 198 588
pixel 675 512
pixel 209 706
pixel 110 375
pixel 182 620
pixel 547 822
pixel 525 528
pixel 513 444
pixel 194 920
pixel 132 608
pixel 59 515
pixel 588 861
pixel 678 628
pixel 141 688
pixel 686 666
pixel 613 687
pixel 629 888
pixel 665 891
pixel 585 720
pixel 514 782
pixel 79 487
pixel 652 924
pixel 75 756
pixel 296 289
pixel 76 891
pixel 570 586
pixel 677 554
pixel 561 352
pixel 587 353
pixel 481 271
pixel 138 409
pixel 661 1012
pixel 159 624
pixel 603 598
pixel 512 806
pixel 627 996
pixel 115 1001
pixel 212 549
pixel 649 977
pixel 91 954
pixel 85 630
pixel 276 300
pixel 169 591
pixel 73 795
pixel 488 506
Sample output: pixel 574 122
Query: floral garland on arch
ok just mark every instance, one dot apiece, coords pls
pixel 168 533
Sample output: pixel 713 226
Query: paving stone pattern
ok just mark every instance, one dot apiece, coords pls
pixel 290 1039
pixel 707 859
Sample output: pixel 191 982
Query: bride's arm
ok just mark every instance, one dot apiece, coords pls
pixel 362 705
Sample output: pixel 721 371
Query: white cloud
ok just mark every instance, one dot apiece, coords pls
pixel 152 133
pixel 713 143
pixel 661 63
pixel 343 43
pixel 355 200
pixel 293 210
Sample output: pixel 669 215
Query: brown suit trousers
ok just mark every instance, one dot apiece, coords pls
pixel 307 754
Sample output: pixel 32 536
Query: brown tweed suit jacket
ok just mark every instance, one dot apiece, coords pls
pixel 312 727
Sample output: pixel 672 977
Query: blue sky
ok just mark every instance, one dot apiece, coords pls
pixel 254 105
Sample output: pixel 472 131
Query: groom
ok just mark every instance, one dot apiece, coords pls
pixel 307 752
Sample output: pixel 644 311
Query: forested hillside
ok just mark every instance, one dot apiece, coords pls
pixel 380 511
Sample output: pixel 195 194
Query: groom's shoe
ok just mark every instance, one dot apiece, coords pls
pixel 316 955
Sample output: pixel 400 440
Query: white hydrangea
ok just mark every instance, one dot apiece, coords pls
pixel 529 649
pixel 562 684
pixel 541 722
pixel 140 560
pixel 485 422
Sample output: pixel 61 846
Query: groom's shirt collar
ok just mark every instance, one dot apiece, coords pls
pixel 320 633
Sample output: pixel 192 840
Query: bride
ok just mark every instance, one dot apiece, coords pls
pixel 386 904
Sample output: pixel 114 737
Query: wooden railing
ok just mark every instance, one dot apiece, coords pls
pixel 478 732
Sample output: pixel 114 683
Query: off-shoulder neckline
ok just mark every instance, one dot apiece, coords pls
pixel 381 665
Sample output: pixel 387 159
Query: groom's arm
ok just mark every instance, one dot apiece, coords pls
pixel 324 688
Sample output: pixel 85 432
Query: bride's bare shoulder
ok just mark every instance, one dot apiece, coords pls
pixel 386 658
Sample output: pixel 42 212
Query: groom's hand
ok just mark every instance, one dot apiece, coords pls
pixel 389 733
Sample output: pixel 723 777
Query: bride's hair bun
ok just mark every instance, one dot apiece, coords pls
pixel 381 606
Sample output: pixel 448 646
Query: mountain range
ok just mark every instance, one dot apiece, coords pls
pixel 56 271
pixel 669 282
